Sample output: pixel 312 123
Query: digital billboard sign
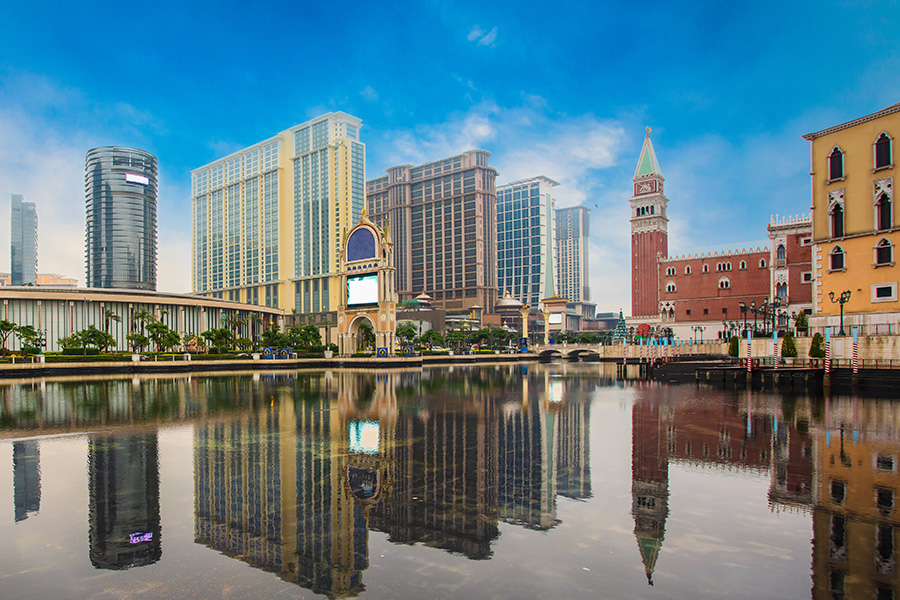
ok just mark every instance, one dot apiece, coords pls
pixel 362 289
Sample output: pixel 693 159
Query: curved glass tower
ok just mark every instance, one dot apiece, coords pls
pixel 120 205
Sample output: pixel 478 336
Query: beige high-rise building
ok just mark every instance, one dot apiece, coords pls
pixel 268 220
pixel 442 217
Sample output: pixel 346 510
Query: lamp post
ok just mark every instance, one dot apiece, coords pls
pixel 775 305
pixel 842 300
pixel 744 309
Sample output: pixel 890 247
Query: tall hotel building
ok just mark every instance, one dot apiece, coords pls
pixel 120 202
pixel 442 216
pixel 573 231
pixel 525 236
pixel 23 238
pixel 267 220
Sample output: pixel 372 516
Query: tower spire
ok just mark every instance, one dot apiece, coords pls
pixel 647 164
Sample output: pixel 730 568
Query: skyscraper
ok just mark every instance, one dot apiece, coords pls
pixel 120 202
pixel 526 239
pixel 23 242
pixel 268 220
pixel 572 234
pixel 443 220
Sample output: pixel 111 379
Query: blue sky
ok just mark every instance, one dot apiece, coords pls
pixel 561 89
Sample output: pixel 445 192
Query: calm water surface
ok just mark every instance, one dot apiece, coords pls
pixel 510 481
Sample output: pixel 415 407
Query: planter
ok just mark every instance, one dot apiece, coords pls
pixel 329 354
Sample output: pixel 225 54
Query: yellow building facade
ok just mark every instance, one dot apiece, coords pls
pixel 856 225
pixel 268 220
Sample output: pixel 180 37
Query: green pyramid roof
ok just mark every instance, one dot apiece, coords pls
pixel 647 163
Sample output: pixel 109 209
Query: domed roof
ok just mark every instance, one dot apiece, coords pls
pixel 424 298
pixel 508 302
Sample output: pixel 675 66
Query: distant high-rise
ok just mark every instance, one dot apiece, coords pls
pixel 120 205
pixel 267 220
pixel 526 240
pixel 442 217
pixel 26 479
pixel 572 234
pixel 23 238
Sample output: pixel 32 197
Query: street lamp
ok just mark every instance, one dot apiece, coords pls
pixel 775 305
pixel 843 299
pixel 744 309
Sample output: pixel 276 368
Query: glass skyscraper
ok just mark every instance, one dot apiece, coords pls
pixel 572 234
pixel 525 236
pixel 23 242
pixel 120 204
pixel 267 220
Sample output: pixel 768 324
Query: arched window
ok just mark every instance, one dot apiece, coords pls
pixel 743 264
pixel 670 286
pixel 884 212
pixel 781 290
pixel 884 252
pixel 727 266
pixel 781 253
pixel 883 151
pixel 836 258
pixel 762 263
pixel 724 284
pixel 706 268
pixel 652 210
pixel 670 271
pixel 687 270
pixel 836 164
pixel 837 220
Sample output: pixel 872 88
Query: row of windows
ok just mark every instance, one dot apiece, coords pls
pixel 884 215
pixel 723 266
pixel 881 156
pixel 724 284
pixel 883 255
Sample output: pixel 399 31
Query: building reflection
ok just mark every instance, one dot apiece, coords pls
pixel 123 479
pixel 26 479
pixel 855 520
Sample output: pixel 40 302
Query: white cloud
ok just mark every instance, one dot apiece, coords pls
pixel 369 94
pixel 489 38
pixel 482 37
pixel 475 33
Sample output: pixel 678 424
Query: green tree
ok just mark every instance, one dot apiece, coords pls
pixel 6 329
pixel 243 343
pixel 138 341
pixel 272 338
pixel 456 338
pixel 29 337
pixel 109 315
pixel 218 338
pixel 407 332
pixel 432 338
pixel 587 338
pixel 309 337
pixel 734 346
pixel 142 316
pixel 162 337
pixel 801 322
pixel 95 338
pixel 366 337
pixel 817 346
pixel 788 347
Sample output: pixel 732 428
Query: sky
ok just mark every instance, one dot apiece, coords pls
pixel 565 90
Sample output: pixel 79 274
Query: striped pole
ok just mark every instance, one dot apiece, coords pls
pixel 749 358
pixel 827 350
pixel 855 351
pixel 775 348
pixel 625 350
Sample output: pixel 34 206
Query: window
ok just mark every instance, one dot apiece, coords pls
pixel 806 277
pixel 884 292
pixel 836 164
pixel 837 221
pixel 762 263
pixel 705 311
pixel 806 241
pixel 884 463
pixel 743 264
pixel 884 499
pixel 687 270
pixel 670 271
pixel 883 212
pixel 836 259
pixel 781 290
pixel 688 312
pixel 884 252
pixel 670 287
pixel 724 284
pixel 838 491
pixel 781 254
pixel 706 268
pixel 883 151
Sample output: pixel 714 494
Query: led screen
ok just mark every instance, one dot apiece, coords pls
pixel 132 178
pixel 364 436
pixel 556 319
pixel 362 290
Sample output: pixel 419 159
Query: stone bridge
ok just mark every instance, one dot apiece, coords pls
pixel 570 351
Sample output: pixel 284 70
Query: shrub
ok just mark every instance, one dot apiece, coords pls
pixel 81 351
pixel 817 346
pixel 734 346
pixel 788 347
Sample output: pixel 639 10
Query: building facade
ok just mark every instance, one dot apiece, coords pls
pixel 44 279
pixel 790 260
pixel 526 239
pixel 23 242
pixel 120 186
pixel 855 227
pixel 442 217
pixel 268 220
pixel 573 231
pixel 649 231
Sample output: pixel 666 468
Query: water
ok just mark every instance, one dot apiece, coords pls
pixel 509 481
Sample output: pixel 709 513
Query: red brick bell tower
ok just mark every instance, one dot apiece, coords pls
pixel 649 232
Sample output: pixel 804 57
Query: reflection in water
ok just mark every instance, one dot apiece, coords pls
pixel 26 479
pixel 292 470
pixel 123 474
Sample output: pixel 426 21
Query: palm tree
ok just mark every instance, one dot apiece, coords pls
pixel 255 319
pixel 109 315
pixel 143 316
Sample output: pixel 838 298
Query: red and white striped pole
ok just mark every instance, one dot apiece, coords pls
pixel 855 351
pixel 827 350
pixel 775 347
pixel 749 358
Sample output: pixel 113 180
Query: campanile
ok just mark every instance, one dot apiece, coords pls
pixel 649 232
